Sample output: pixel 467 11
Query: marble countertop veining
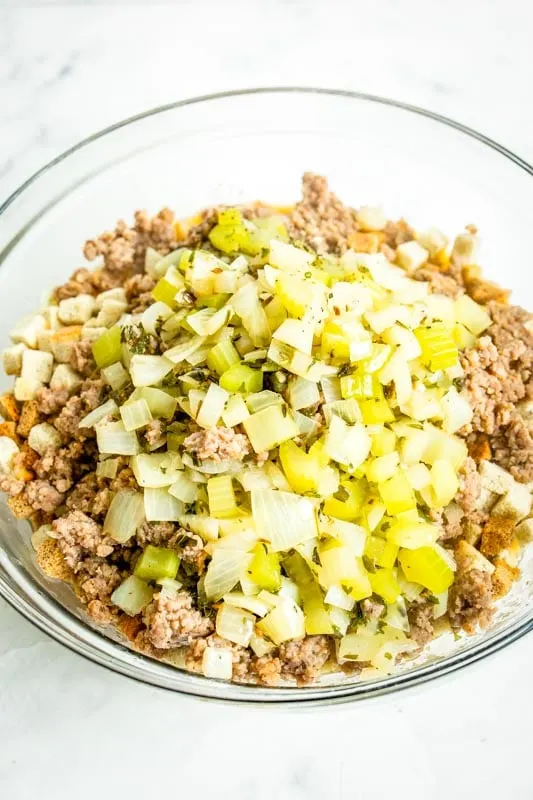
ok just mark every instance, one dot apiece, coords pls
pixel 68 727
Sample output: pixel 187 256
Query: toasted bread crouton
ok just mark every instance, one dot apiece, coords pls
pixel 9 407
pixel 29 417
pixel 20 507
pixel 50 559
pixel 524 531
pixel 515 503
pixel 503 578
pixel 368 242
pixel 130 627
pixel 480 449
pixel 9 429
pixel 498 534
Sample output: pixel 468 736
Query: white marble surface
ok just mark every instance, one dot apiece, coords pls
pixel 69 728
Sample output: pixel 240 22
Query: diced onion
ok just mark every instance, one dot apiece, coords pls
pixel 283 519
pixel 155 470
pixel 124 515
pixel 235 624
pixel 114 439
pixel 161 506
pixel 107 409
pixel 148 370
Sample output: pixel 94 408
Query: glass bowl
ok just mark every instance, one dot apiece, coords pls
pixel 236 147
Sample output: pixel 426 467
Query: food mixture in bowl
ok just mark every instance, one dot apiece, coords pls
pixel 273 441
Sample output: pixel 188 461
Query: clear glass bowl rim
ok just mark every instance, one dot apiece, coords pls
pixel 203 687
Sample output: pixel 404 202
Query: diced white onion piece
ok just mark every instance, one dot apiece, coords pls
pixel 107 409
pixel 331 389
pixel 340 619
pixel 217 662
pixel 155 470
pixel 283 519
pixel 206 527
pixel 306 426
pixel 124 515
pixel 253 604
pixel 348 533
pixel 235 624
pixel 246 305
pixel 212 406
pixel 336 596
pixel 347 444
pixel 148 370
pixel 115 375
pixel 135 415
pixel 348 410
pixel 208 321
pixel 303 394
pixel 396 615
pixel 114 439
pixel 132 596
pixel 160 506
pixel 297 334
pixel 470 314
pixel 410 255
pixel 287 257
pixel 224 572
pixel 260 645
pixel 286 621
pixel 235 412
pixel 184 489
pixel 152 316
pixel 457 411
pixel 254 478
pixel 160 403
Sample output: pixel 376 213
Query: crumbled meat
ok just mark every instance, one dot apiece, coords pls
pixel 68 420
pixel 49 401
pixel 157 533
pixel 124 249
pixel 267 669
pixel 79 535
pixel 450 519
pixel 397 233
pixel 125 479
pixel 101 612
pixel 42 496
pixel 470 595
pixel 439 282
pixel 97 579
pixel 218 444
pixel 469 486
pixel 11 485
pixel 304 658
pixel 372 608
pixel 81 358
pixel 420 615
pixel 320 219
pixel 154 434
pixel 137 285
pixel 192 554
pixel 198 234
pixel 173 622
pixel 498 375
pixel 80 282
pixel 62 467
pixel 92 393
pixel 88 496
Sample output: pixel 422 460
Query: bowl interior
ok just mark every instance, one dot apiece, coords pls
pixel 236 148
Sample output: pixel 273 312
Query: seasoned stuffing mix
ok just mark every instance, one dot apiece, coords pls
pixel 276 441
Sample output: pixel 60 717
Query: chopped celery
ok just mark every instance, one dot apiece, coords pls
pixel 384 584
pixel 223 356
pixel 444 482
pixel 381 552
pixel 212 406
pixel 132 596
pixel 241 378
pixel 471 315
pixel 412 533
pixel 376 411
pixel 340 566
pixel 270 427
pixel 108 348
pixel 316 617
pixel 429 566
pixel 383 443
pixel 229 216
pixel 347 410
pixel 221 496
pixel 360 385
pixel 439 350
pixel 157 562
pixel 335 344
pixel 260 400
pixel 383 468
pixel 302 469
pixel 302 393
pixel 264 569
pixel 215 301
pixel 397 494
pixel 347 502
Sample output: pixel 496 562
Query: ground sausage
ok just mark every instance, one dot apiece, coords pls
pixel 218 444
pixel 320 219
pixel 304 658
pixel 78 536
pixel 173 622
